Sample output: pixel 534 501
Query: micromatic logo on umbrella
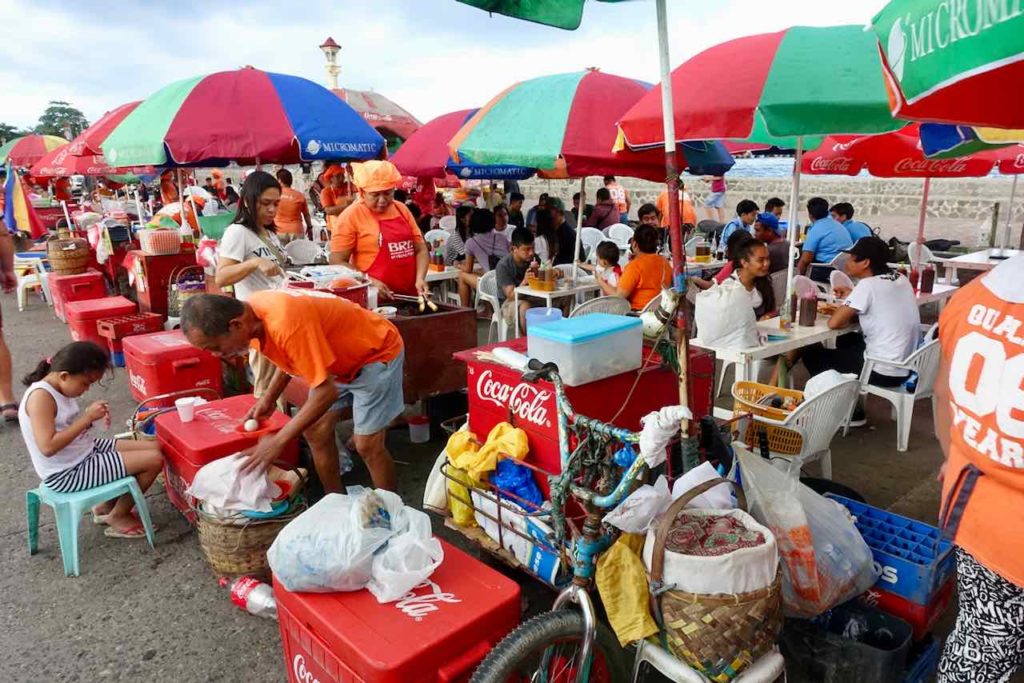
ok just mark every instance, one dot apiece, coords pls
pixel 315 147
pixel 948 22
pixel 908 165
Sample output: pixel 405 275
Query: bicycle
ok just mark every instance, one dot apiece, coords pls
pixel 573 645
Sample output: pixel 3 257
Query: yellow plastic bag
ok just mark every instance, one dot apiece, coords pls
pixel 460 445
pixel 504 438
pixel 622 584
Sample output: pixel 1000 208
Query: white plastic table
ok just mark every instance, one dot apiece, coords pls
pixel 574 290
pixel 444 278
pixel 940 293
pixel 978 260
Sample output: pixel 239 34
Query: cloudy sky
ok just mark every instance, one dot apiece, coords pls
pixel 430 56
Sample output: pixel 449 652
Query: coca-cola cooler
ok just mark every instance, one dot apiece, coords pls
pixel 215 432
pixel 67 288
pixel 164 362
pixel 438 632
pixel 498 393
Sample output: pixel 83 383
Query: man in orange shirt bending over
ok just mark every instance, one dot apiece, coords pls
pixel 350 357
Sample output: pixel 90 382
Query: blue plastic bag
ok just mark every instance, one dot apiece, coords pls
pixel 509 476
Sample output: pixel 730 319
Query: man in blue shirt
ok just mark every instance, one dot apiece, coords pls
pixel 746 214
pixel 826 238
pixel 843 212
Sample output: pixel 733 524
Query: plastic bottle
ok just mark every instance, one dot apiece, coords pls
pixel 915 277
pixel 252 595
pixel 927 279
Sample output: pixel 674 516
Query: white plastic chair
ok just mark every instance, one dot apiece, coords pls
pixel 925 362
pixel 437 234
pixel 816 420
pixel 652 305
pixel 448 223
pixel 918 253
pixel 614 305
pixel 767 669
pixel 29 273
pixel 619 233
pixel 487 290
pixel 591 237
pixel 302 252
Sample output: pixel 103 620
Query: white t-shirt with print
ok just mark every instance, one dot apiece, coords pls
pixel 239 243
pixel 889 318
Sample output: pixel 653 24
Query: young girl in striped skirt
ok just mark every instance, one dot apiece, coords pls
pixel 65 452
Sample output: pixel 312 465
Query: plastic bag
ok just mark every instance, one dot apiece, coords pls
pixel 659 427
pixel 622 582
pixel 635 514
pixel 825 561
pixel 839 280
pixel 717 498
pixel 804 287
pixel 459 444
pixel 408 559
pixel 517 479
pixel 223 488
pixel 724 317
pixel 330 546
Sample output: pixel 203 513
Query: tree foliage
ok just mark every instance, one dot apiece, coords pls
pixel 9 132
pixel 61 118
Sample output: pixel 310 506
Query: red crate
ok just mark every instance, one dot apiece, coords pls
pixel 164 362
pixel 214 433
pixel 921 617
pixel 129 325
pixel 83 316
pixel 67 288
pixel 439 632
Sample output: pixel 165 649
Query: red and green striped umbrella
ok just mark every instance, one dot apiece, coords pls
pixel 772 88
pixel 564 120
pixel 954 62
pixel 29 149
pixel 248 116
pixel 565 14
pixel 89 141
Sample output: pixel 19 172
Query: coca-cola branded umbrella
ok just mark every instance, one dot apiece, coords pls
pixel 63 162
pixel 892 155
pixel 89 141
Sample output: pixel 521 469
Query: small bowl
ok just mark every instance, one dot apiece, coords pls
pixel 263 428
pixel 386 311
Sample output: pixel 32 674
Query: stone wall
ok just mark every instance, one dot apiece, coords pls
pixel 967 199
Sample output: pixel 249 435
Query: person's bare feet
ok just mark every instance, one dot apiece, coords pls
pixel 100 512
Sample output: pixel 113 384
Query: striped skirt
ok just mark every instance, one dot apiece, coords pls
pixel 102 466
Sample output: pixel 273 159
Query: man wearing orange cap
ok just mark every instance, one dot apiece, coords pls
pixel 333 197
pixel 378 235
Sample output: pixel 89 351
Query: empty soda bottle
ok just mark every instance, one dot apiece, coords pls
pixel 252 595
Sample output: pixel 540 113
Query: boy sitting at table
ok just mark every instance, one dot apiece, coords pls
pixel 884 304
pixel 510 273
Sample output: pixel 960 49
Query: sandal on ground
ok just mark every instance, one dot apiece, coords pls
pixel 10 412
pixel 135 531
pixel 102 519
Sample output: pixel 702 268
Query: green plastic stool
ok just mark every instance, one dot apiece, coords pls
pixel 68 509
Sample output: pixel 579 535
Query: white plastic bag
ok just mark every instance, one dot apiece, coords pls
pixel 408 559
pixel 725 318
pixel 330 546
pixel 839 280
pixel 223 488
pixel 825 561
pixel 635 514
pixel 659 427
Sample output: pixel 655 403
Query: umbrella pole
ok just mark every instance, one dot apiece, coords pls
pixel 1009 214
pixel 924 210
pixel 579 229
pixel 675 230
pixel 794 197
pixel 67 216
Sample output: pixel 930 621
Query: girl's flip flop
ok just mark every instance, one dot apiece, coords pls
pixel 136 531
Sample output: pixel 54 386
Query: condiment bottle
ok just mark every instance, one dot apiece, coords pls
pixel 928 279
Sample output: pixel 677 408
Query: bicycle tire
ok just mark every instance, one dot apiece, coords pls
pixel 504 662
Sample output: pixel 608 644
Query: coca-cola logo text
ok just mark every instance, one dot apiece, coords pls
pixel 419 606
pixel 838 165
pixel 302 674
pixel 909 165
pixel 526 401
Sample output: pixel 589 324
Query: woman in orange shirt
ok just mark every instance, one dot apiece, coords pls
pixel 292 211
pixel 379 236
pixel 646 274
pixel 333 197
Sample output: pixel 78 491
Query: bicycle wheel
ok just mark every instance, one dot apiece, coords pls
pixel 546 648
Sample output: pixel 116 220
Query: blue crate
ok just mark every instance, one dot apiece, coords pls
pixel 923 661
pixel 117 359
pixel 913 558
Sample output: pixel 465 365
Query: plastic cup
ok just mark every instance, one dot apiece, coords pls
pixel 186 408
pixel 419 429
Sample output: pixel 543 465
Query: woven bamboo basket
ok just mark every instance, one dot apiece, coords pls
pixel 234 549
pixel 719 635
pixel 747 397
pixel 68 255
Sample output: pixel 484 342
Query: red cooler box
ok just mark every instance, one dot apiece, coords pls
pixel 83 316
pixel 439 632
pixel 164 362
pixel 215 432
pixel 67 288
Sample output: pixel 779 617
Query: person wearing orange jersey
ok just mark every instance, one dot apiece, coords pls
pixel 292 218
pixel 62 189
pixel 378 236
pixel 333 197
pixel 979 418
pixel 349 356
pixel 687 214
pixel 168 189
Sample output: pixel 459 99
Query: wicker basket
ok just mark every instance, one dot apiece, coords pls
pixel 747 397
pixel 718 635
pixel 234 549
pixel 68 255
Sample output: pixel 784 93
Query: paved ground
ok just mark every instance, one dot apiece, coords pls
pixel 137 614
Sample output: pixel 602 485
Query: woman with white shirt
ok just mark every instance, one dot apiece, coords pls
pixel 250 255
pixel 751 265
